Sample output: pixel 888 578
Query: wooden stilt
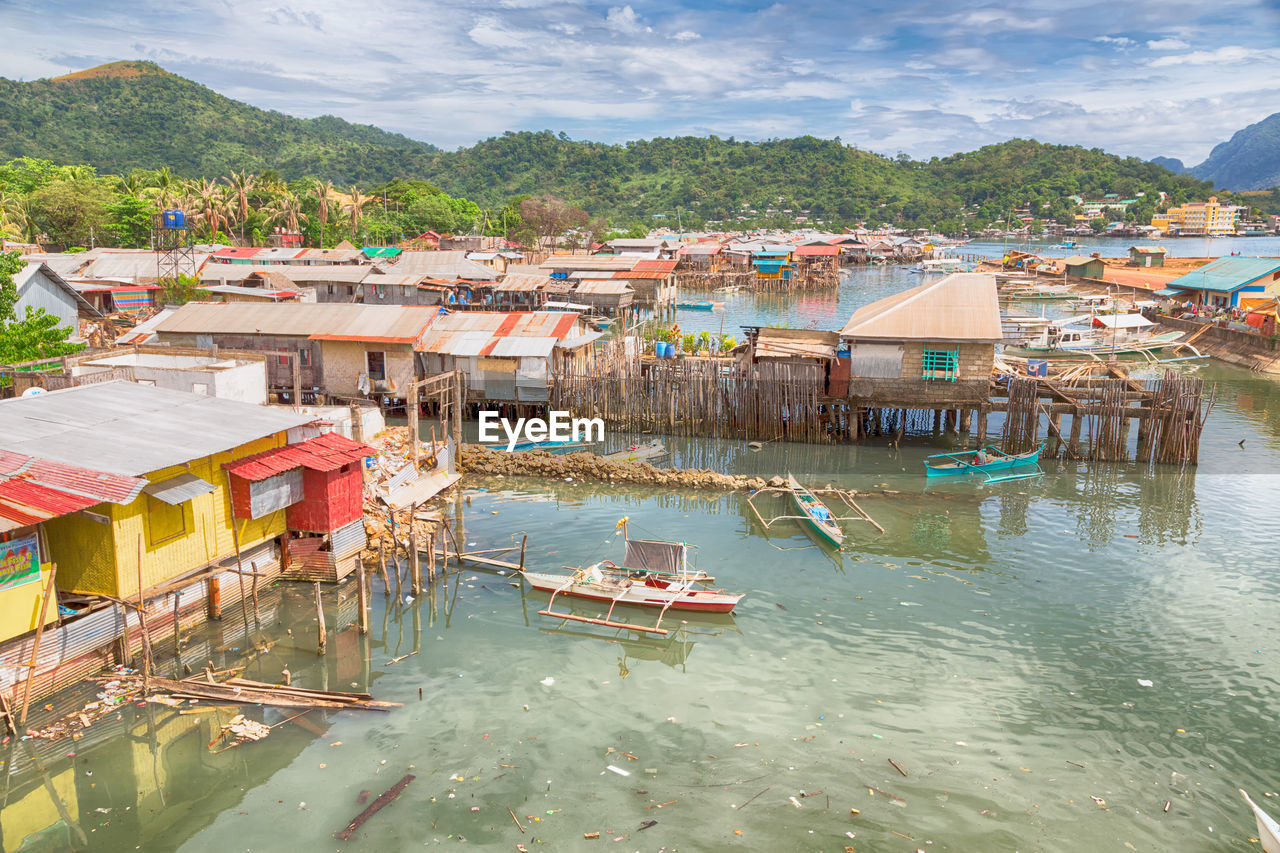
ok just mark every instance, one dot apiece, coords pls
pixel 319 619
pixel 364 598
pixel 142 625
pixel 35 644
pixel 524 541
pixel 177 643
pixel 415 559
pixel 382 564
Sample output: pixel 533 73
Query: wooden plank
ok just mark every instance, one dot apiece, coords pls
pixel 606 622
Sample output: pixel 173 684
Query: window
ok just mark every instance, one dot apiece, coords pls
pixel 304 358
pixel 282 359
pixel 941 364
pixel 377 366
pixel 164 522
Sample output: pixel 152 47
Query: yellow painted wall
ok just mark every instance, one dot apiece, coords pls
pixel 20 607
pixel 95 557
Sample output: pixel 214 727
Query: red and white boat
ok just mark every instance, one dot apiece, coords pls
pixel 652 574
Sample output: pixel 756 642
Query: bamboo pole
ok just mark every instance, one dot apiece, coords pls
pixel 142 625
pixel 35 644
pixel 320 646
pixel 364 598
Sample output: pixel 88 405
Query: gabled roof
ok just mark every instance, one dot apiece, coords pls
pixel 592 262
pixel 1079 260
pixel 655 266
pixel 326 452
pixel 448 264
pixel 34 490
pixel 613 287
pixel 477 333
pixel 333 321
pixel 26 276
pixel 1226 274
pixel 522 282
pixel 961 307
pixel 826 251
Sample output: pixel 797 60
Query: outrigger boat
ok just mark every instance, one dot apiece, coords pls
pixel 813 512
pixel 988 461
pixel 652 574
pixel 1268 829
pixel 639 452
pixel 565 446
pixel 700 305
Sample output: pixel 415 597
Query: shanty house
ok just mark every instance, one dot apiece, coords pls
pixel 609 297
pixel 344 350
pixel 506 357
pixel 1147 256
pixel 181 520
pixel 521 292
pixel 933 343
pixel 654 282
pixel 1083 266
pixel 34 491
pixel 1231 282
pixel 39 287
pixel 318 484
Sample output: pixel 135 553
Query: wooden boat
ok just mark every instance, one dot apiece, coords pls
pixel 639 452
pixel 965 462
pixel 1268 829
pixel 652 574
pixel 817 518
pixel 815 512
pixel 551 446
pixel 700 305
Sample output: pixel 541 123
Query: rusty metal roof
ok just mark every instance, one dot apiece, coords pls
pixel 319 320
pixel 612 287
pixel 655 266
pixel 522 283
pixel 34 490
pixel 589 262
pixel 961 307
pixel 327 452
pixel 473 333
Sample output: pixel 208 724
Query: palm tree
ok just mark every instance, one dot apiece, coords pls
pixel 13 215
pixel 286 210
pixel 321 191
pixel 354 206
pixel 240 184
pixel 167 186
pixel 211 205
pixel 133 184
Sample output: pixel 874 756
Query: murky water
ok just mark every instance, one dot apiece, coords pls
pixel 1048 661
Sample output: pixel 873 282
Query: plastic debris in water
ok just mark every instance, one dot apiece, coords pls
pixel 547 682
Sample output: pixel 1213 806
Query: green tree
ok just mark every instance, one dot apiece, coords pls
pixel 181 290
pixel 37 335
pixel 130 220
pixel 72 212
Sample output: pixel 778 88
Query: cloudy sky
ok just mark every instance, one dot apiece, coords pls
pixel 1140 77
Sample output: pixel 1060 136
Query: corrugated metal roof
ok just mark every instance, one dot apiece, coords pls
pixel 381 251
pixel 327 452
pixel 179 489
pixel 131 429
pixel 817 251
pixel 472 333
pixel 961 307
pixel 700 250
pixel 449 264
pixel 641 276
pixel 787 343
pixel 613 287
pixel 1079 260
pixel 522 283
pixel 655 266
pixel 131 264
pixel 522 347
pixel 34 490
pixel 28 274
pixel 580 340
pixel 1226 274
pixel 237 252
pixel 591 262
pixel 253 292
pixel 323 320
pixel 345 273
pixel 347 255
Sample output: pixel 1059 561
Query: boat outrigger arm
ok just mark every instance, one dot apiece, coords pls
pixel 846 496
pixel 607 621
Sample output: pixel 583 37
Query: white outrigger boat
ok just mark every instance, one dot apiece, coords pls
pixel 1268 829
pixel 1097 336
pixel 652 574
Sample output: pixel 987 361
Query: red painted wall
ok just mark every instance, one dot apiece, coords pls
pixel 332 499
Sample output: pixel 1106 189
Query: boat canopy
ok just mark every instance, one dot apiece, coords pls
pixel 653 556
pixel 1122 321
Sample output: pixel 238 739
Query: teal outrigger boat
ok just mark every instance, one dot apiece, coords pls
pixel 989 462
pixel 813 512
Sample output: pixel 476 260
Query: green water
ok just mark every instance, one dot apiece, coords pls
pixel 994 642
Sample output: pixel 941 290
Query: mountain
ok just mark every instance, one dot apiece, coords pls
pixel 1173 164
pixel 1249 160
pixel 136 115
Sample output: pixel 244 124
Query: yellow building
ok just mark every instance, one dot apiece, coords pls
pixel 176 442
pixel 1208 218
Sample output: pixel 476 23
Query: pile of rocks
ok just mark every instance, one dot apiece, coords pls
pixel 479 459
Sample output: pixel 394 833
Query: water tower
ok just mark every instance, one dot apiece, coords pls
pixel 171 238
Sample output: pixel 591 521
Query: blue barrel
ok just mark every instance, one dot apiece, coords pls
pixel 1037 367
pixel 661 349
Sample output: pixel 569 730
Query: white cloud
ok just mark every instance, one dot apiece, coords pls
pixel 686 35
pixel 1118 41
pixel 625 20
pixel 1168 44
pixel 1226 54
